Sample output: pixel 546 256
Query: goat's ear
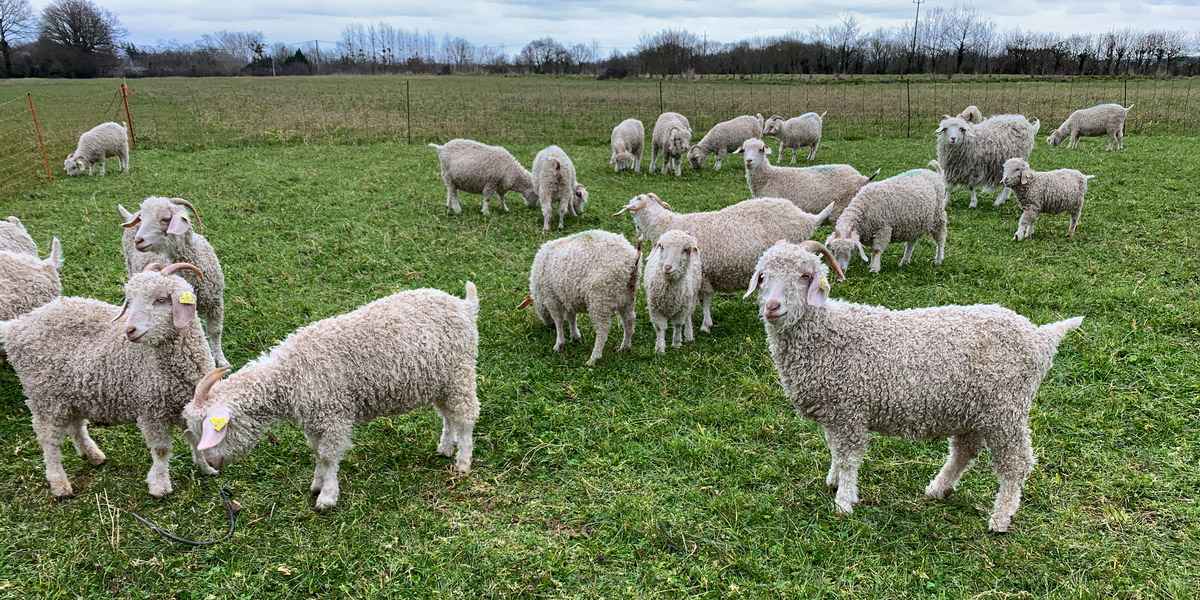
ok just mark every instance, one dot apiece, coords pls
pixel 754 281
pixel 179 223
pixel 767 149
pixel 970 131
pixel 1025 175
pixel 695 255
pixel 818 290
pixel 216 425
pixel 183 307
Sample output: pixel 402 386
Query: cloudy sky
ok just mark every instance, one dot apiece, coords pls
pixel 611 23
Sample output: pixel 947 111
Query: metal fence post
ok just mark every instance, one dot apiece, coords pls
pixel 908 92
pixel 128 116
pixel 407 112
pixel 660 98
pixel 38 129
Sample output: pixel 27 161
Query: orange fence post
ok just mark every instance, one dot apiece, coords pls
pixel 128 117
pixel 38 129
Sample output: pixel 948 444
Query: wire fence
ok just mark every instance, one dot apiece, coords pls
pixel 207 113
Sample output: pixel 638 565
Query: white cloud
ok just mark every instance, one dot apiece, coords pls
pixel 616 23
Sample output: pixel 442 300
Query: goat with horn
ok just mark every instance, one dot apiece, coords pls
pixel 77 362
pixel 161 231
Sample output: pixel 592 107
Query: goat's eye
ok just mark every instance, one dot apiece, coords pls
pixel 806 276
pixel 165 219
pixel 160 300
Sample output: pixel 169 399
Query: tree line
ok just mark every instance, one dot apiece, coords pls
pixel 77 38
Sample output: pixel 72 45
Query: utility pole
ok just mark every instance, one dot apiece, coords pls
pixel 916 22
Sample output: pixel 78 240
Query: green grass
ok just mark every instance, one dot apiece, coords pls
pixel 687 474
pixel 190 113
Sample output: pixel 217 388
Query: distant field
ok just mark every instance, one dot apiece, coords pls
pixel 684 475
pixel 219 112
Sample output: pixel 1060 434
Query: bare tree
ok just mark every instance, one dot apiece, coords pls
pixel 458 53
pixel 81 26
pixel 16 22
pixel 848 39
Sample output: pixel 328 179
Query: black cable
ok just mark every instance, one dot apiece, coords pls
pixel 225 495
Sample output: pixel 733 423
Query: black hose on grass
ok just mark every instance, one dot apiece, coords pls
pixel 229 510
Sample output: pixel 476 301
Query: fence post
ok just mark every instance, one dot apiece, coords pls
pixel 407 112
pixel 908 93
pixel 128 116
pixel 1126 99
pixel 660 99
pixel 38 129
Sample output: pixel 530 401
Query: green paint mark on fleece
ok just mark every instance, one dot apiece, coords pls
pixel 591 234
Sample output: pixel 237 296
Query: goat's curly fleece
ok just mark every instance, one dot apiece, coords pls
pixel 1105 119
pixel 978 162
pixel 14 238
pixel 593 272
pixel 387 357
pixel 75 363
pixel 27 282
pixel 810 188
pixel 470 166
pixel 671 297
pixel 187 247
pixel 1050 192
pixel 725 137
pixel 965 372
pixel 903 208
pixel 96 145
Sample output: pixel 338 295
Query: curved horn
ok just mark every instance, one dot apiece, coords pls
pixel 124 307
pixel 170 270
pixel 137 218
pixel 152 267
pixel 195 212
pixel 818 248
pixel 206 384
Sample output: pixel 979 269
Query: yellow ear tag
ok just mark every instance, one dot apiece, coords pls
pixel 188 298
pixel 824 285
pixel 219 423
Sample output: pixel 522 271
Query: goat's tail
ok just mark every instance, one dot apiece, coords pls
pixel 636 270
pixel 472 297
pixel 937 166
pixel 1057 331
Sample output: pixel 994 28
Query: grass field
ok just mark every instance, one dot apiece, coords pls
pixel 687 474
pixel 191 113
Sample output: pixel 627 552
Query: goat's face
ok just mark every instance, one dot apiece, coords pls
pixel 679 142
pixel 955 130
pixel 696 157
pixel 1055 138
pixel 1016 172
pixel 773 126
pixel 157 307
pixel 756 152
pixel 791 281
pixel 74 165
pixel 677 252
pixel 223 433
pixel 156 219
pixel 580 198
pixel 842 247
